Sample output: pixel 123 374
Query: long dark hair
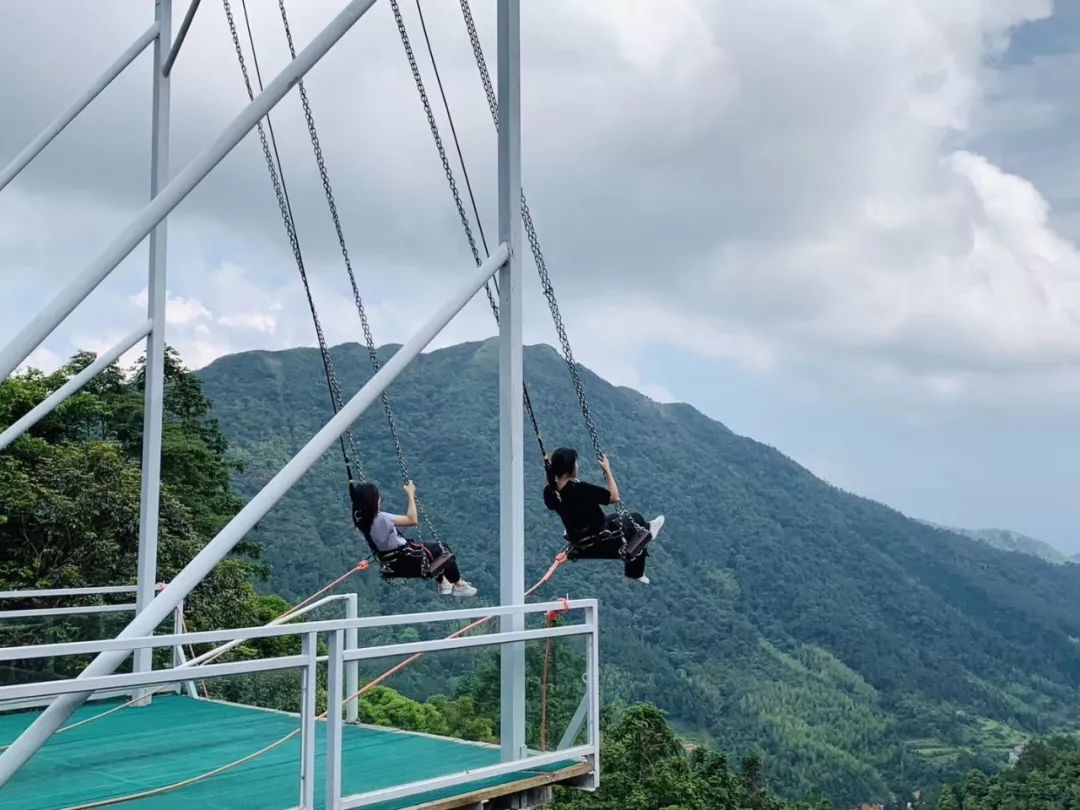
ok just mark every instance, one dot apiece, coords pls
pixel 365 504
pixel 562 462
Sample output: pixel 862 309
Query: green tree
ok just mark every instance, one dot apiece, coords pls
pixel 70 491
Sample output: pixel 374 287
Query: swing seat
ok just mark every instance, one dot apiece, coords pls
pixel 593 547
pixel 418 560
pixel 635 544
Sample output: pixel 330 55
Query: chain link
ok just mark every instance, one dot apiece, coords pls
pixel 369 338
pixel 452 183
pixel 285 209
pixel 534 241
pixel 538 257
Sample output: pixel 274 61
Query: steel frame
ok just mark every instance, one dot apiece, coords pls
pixel 166 194
pixel 341 656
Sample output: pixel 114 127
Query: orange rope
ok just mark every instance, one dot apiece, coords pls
pixel 559 560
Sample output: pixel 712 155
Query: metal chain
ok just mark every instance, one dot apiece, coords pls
pixel 452 183
pixel 294 243
pixel 538 257
pixel 369 338
pixel 534 241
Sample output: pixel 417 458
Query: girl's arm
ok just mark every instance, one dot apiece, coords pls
pixel 410 517
pixel 613 487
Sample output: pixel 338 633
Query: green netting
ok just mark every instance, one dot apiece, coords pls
pixel 177 737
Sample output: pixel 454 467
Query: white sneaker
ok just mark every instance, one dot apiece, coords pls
pixel 445 588
pixel 644 580
pixel 655 525
pixel 463 588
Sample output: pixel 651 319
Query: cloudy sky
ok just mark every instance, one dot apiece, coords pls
pixel 848 228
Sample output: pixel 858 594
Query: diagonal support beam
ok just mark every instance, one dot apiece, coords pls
pixel 144 624
pixel 47 405
pixel 33 149
pixel 93 274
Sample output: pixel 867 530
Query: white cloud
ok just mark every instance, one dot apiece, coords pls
pixel 252 321
pixel 789 186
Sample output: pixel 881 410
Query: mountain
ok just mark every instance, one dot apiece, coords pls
pixel 1014 541
pixel 860 652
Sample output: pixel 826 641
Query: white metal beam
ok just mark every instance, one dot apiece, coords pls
pixel 47 405
pixel 154 379
pixel 213 552
pixel 56 127
pixel 511 378
pixel 30 337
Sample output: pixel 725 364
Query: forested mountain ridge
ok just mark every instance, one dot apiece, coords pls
pixel 861 651
pixel 1007 540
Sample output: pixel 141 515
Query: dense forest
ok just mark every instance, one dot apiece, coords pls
pixel 69 502
pixel 840 649
pixel 861 652
pixel 1046 775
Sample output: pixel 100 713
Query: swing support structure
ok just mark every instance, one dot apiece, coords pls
pixel 166 192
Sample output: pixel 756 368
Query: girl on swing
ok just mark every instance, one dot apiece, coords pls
pixel 595 534
pixel 381 530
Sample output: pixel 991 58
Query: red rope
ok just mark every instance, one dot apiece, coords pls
pixel 549 620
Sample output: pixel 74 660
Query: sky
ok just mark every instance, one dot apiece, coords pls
pixel 846 228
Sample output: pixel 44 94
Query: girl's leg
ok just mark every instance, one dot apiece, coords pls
pixel 635 568
pixel 450 571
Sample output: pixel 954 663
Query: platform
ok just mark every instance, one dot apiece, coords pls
pixel 177 737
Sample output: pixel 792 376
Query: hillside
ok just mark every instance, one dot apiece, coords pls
pixel 1014 541
pixel 861 651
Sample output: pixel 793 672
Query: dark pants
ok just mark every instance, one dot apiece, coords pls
pixel 411 566
pixel 608 546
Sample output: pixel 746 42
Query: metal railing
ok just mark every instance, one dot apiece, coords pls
pixel 343 653
pixel 56 611
pixel 179 658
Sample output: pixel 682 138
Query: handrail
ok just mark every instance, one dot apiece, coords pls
pixel 47 592
pixel 246 633
pixel 342 654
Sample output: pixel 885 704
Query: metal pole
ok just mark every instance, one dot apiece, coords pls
pixel 179 659
pixel 181 35
pixel 333 754
pixel 308 688
pixel 56 127
pixel 30 337
pixel 213 552
pixel 511 417
pixel 154 380
pixel 352 668
pixel 47 405
pixel 592 658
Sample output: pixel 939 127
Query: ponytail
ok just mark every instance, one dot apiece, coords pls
pixel 562 462
pixel 365 504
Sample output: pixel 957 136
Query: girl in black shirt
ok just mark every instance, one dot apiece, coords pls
pixel 589 530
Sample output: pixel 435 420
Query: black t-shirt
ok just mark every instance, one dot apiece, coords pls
pixel 579 505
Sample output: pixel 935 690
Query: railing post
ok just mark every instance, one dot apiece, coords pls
pixel 352 668
pixel 592 654
pixel 338 643
pixel 179 659
pixel 309 649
